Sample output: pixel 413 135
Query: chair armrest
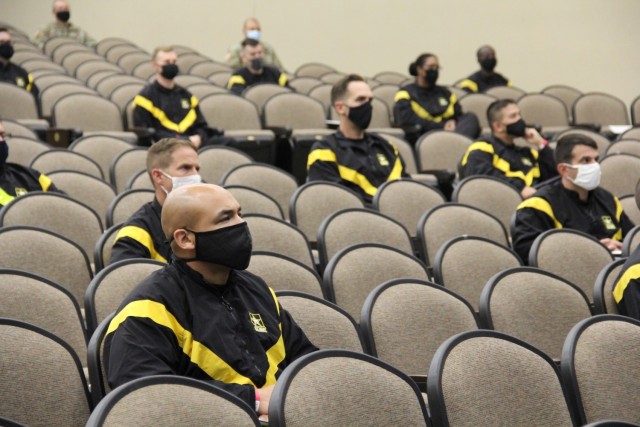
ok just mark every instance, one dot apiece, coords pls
pixel 61 137
pixel 281 132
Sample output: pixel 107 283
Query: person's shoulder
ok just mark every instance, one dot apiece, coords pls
pixel 148 89
pixel 17 169
pixel 161 285
pixel 603 194
pixel 475 76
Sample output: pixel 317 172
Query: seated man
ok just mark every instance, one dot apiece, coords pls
pixel 254 71
pixel 573 201
pixel 626 291
pixel 351 157
pixel 16 180
pixel 203 316
pixel 171 163
pixel 498 155
pixel 486 77
pixel 10 72
pixel 251 30
pixel 61 27
pixel 171 110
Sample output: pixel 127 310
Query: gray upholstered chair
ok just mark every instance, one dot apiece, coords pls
pixel 102 149
pixel 102 250
pixel 255 201
pixel 544 110
pixel 95 361
pixel 126 204
pixel 216 161
pixel 126 164
pixel 282 273
pixel 63 159
pixel 603 301
pixel 601 108
pixel 620 173
pixel 23 149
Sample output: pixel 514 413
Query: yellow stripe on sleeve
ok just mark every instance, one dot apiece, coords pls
pixel 141 236
pixel 541 205
pixel 632 273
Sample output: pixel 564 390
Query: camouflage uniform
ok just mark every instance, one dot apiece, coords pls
pixel 55 29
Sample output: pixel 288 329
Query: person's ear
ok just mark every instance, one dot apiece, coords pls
pixel 341 107
pixel 184 239
pixel 562 169
pixel 156 176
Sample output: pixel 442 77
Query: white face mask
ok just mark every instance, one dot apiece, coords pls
pixel 588 176
pixel 253 34
pixel 181 181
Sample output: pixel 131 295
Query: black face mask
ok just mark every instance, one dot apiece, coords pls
pixel 361 116
pixel 257 63
pixel 169 71
pixel 228 246
pixel 4 152
pixel 431 77
pixel 517 129
pixel 6 50
pixel 63 16
pixel 488 64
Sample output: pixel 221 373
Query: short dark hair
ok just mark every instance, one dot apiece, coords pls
pixel 339 89
pixel 4 30
pixel 494 112
pixel 250 42
pixel 564 147
pixel 413 67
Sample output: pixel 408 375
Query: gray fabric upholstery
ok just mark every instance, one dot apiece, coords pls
pixel 60 159
pixel 87 112
pixel 465 265
pixel 313 69
pixel 271 235
pixel 283 274
pixel 231 112
pixel 490 382
pixel 215 161
pixel 566 94
pixel 607 370
pixel 600 108
pixel 620 174
pixel 259 94
pixel 294 110
pixel 253 201
pixel 601 141
pixel 126 204
pixel 313 202
pixel 603 288
pixel 52 94
pixel 325 326
pixel 537 308
pixel 22 149
pixel 102 149
pixel 630 207
pixel 42 386
pixel 46 255
pixel 441 150
pixel 360 269
pixel 478 103
pixel 16 103
pixel 125 165
pixel 506 92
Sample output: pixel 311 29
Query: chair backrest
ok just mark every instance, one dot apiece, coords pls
pixel 51 44
pixel 603 301
pixel 205 69
pixel 275 235
pixel 488 378
pixel 95 361
pixel 94 67
pixel 330 384
pixel 620 173
pixel 632 239
pixel 41 302
pixel 219 78
pixel 16 103
pixel 566 94
pixel 625 146
pixel 62 159
pixel 348 227
pixel 283 273
pixel 294 110
pixel 87 112
pixel 216 161
pixel 51 95
pixel 304 84
pixel 169 400
pixel 449 220
pixel 489 194
pixel 115 52
pixel 93 192
pixel 255 201
pixel 42 379
pixel 579 266
pixel 464 264
pixel 258 94
pixel 635 111
pixel 600 108
pixel 107 85
pixel 140 180
pixel 126 164
pixel 45 81
pixel 102 149
pixel 332 77
pixel 112 284
pixel 441 150
pixel 601 141
pixel 601 368
pixel 131 60
pixel 46 254
pixel 478 103
pixel 22 150
pixel 18 130
pixel 107 43
pixel 324 323
pixel 102 251
pixel 313 69
pixel 312 202
pixel 323 94
pixel 536 306
pixel 123 94
pixel 543 109
pixel 230 112
pixel 506 92
pixel 72 60
pixel 144 70
pixel 55 212
pixel 126 204
pixel 610 423
pixel 405 150
pixel 404 321
pixel 356 270
pixel 270 180
pixel 406 200
pixel 387 93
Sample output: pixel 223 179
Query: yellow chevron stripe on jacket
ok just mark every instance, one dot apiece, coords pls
pixel 502 165
pixel 160 115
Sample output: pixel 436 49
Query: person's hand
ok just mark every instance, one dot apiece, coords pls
pixel 197 141
pixel 611 244
pixel 450 125
pixel 265 396
pixel 527 192
pixel 534 138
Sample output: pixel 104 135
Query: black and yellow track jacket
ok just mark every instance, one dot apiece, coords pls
pixel 361 165
pixel 519 166
pixel 481 81
pixel 173 113
pixel 242 78
pixel 626 291
pixel 554 206
pixel 428 108
pixel 236 336
pixel 15 74
pixel 141 236
pixel 16 180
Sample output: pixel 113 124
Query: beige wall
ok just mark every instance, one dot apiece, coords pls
pixel 590 44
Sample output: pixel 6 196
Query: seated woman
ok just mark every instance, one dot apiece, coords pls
pixel 424 106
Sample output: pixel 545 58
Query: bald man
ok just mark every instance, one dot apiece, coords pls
pixel 203 316
pixel 486 77
pixel 251 30
pixel 61 27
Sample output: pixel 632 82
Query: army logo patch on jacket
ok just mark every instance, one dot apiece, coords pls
pixel 257 322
